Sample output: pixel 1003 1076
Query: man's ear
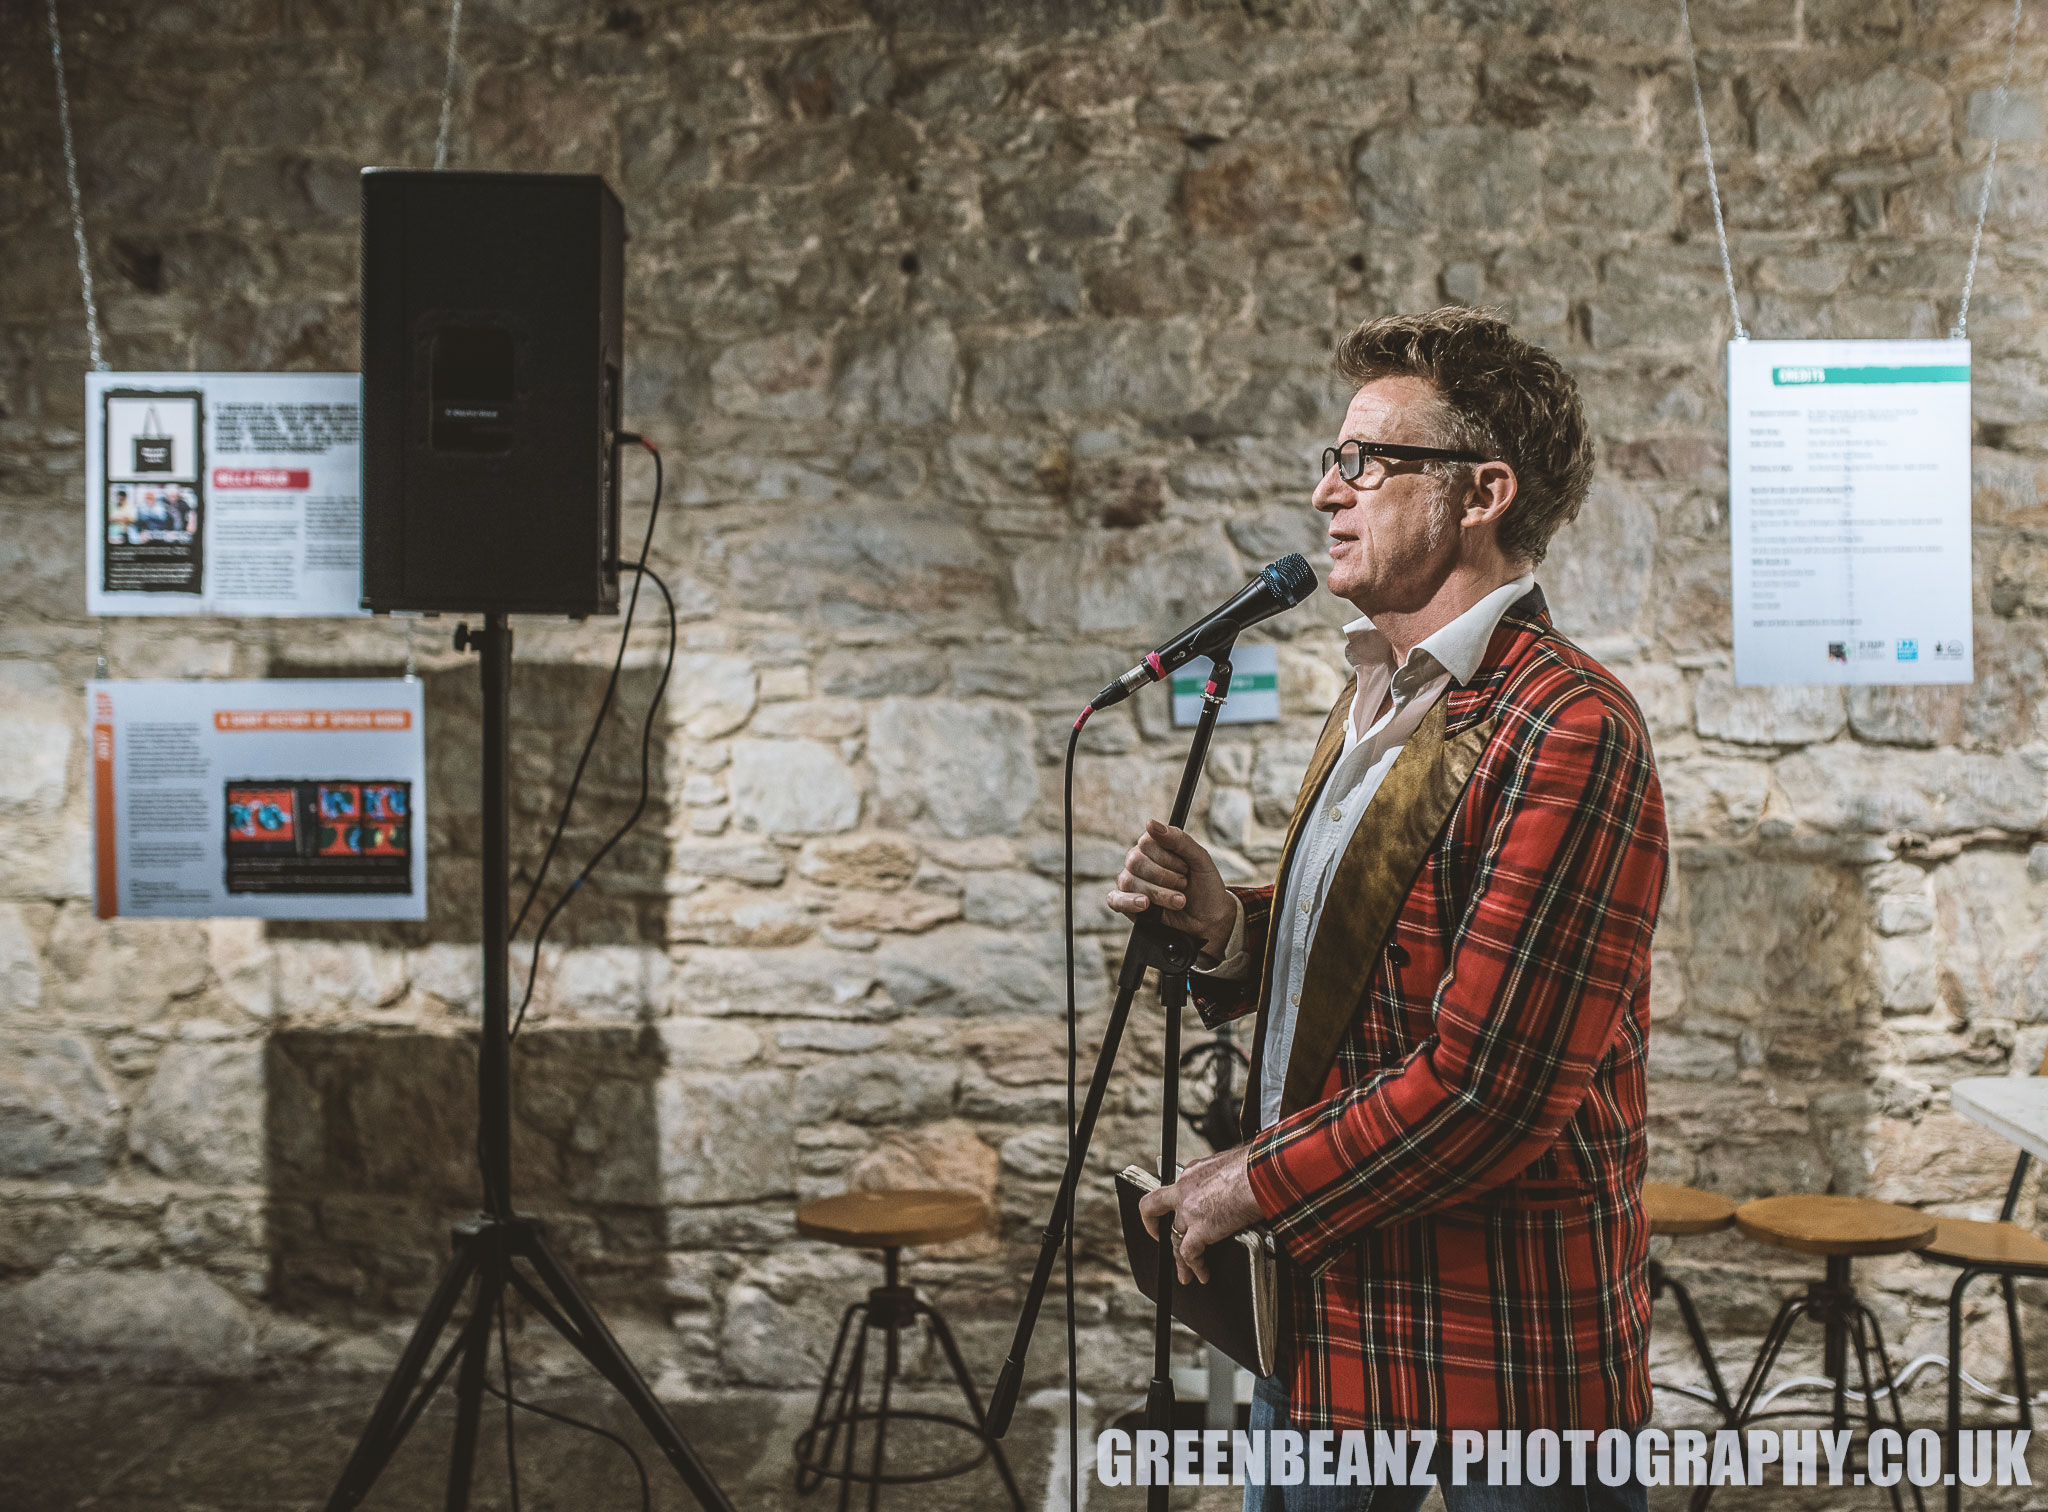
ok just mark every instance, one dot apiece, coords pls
pixel 1493 489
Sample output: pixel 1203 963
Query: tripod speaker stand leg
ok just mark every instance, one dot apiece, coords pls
pixel 595 1343
pixel 398 1407
pixel 488 1248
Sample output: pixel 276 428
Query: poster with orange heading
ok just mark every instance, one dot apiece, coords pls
pixel 301 799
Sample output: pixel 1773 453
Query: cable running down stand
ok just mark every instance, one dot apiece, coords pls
pixel 1154 946
pixel 489 1247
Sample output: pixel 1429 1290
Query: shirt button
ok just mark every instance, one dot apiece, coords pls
pixel 1336 814
pixel 1294 1000
pixel 1304 905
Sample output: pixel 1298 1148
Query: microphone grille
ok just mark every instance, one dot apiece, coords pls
pixel 1295 579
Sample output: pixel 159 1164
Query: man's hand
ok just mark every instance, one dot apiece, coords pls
pixel 1211 1201
pixel 1169 869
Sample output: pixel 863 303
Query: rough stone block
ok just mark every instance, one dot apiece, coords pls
pixel 1450 178
pixel 201 1117
pixel 1154 577
pixel 1713 799
pixel 869 1089
pixel 1767 716
pixel 1597 574
pixel 792 787
pixel 725 1136
pixel 711 695
pixel 1142 369
pixel 1277 774
pixel 906 376
pixel 1907 715
pixel 169 1324
pixel 35 738
pixel 966 768
pixel 1992 919
pixel 60 1117
pixel 1843 788
pixel 21 969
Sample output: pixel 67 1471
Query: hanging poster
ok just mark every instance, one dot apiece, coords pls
pixel 223 493
pixel 1849 511
pixel 272 800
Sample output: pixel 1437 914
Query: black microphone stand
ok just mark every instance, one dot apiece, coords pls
pixel 1169 951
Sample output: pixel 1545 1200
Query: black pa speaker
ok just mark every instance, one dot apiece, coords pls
pixel 492 355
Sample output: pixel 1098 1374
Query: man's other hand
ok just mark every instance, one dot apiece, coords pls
pixel 1211 1201
pixel 1169 870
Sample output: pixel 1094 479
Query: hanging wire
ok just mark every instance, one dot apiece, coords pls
pixel 92 319
pixel 1960 329
pixel 1699 105
pixel 447 86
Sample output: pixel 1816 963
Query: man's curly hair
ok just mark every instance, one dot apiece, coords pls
pixel 1502 397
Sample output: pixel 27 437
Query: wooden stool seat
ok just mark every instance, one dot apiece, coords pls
pixel 892 1220
pixel 1677 1209
pixel 1994 1246
pixel 1818 1224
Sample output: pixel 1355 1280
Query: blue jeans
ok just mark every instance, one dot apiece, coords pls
pixel 1269 1411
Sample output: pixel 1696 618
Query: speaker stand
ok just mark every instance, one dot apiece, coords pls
pixel 489 1247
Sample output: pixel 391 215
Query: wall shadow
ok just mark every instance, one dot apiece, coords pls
pixel 371 1158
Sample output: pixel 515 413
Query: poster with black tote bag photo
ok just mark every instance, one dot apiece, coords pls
pixel 153 533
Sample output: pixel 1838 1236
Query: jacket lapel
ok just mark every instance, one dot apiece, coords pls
pixel 1387 850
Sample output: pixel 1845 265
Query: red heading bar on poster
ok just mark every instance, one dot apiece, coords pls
pixel 262 477
pixel 243 720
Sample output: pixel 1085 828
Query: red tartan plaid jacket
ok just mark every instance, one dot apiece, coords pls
pixel 1455 1183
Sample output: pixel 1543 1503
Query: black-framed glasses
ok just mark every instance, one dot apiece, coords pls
pixel 1354 459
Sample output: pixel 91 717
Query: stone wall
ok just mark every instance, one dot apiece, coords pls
pixel 984 343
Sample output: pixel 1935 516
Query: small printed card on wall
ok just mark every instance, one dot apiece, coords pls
pixel 1254 687
pixel 223 493
pixel 1849 511
pixel 272 800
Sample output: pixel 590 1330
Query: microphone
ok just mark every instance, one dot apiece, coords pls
pixel 1280 586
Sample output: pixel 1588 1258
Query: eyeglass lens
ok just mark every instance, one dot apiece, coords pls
pixel 1348 459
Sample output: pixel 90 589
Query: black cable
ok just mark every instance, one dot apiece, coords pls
pixel 1073 1073
pixel 604 704
pixel 511 1433
pixel 639 1469
pixel 641 570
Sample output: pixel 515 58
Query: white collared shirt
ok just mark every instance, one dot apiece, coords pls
pixel 1371 746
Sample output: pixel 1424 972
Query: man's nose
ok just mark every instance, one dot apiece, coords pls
pixel 1332 494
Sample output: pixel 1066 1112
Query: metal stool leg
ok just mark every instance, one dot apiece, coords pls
pixel 1884 1363
pixel 959 1367
pixel 808 1479
pixel 1871 1420
pixel 1662 1281
pixel 1953 1437
pixel 2019 1352
pixel 1789 1311
pixel 850 1400
pixel 889 1360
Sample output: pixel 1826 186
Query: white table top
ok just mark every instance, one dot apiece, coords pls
pixel 2012 1107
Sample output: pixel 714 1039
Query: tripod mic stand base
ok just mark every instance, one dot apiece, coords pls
pixel 486 1249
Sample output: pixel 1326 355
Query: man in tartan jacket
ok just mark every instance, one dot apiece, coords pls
pixel 1445 1121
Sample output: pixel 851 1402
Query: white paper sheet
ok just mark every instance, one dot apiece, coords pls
pixel 273 800
pixel 1849 511
pixel 223 493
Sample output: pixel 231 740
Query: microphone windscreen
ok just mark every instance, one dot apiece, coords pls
pixel 1295 579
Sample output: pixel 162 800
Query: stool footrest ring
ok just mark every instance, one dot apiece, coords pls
pixel 819 1470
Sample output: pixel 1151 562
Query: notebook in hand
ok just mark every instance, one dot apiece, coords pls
pixel 1238 1310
